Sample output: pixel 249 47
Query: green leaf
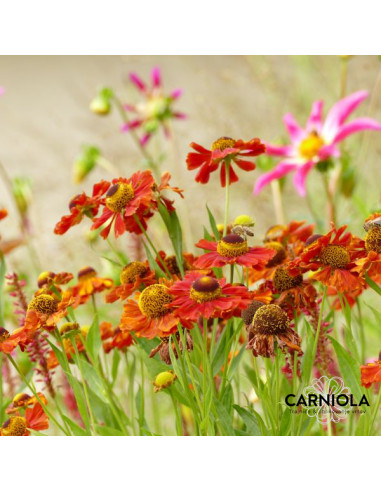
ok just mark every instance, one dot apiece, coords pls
pixel 80 399
pixel 224 418
pixel 76 429
pixel 372 284
pixel 93 380
pixel 173 226
pixel 349 368
pixel 2 278
pixel 103 430
pixel 93 340
pixel 115 365
pixel 250 421
pixel 212 223
pixel 152 262
pixel 285 423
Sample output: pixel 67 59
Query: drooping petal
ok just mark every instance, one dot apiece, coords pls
pixel 300 178
pixel 295 131
pixel 354 126
pixel 281 170
pixel 176 93
pixel 135 79
pixel 340 112
pixel 279 151
pixel 315 121
pixel 245 165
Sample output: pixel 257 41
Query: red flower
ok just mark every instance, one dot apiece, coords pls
pixel 227 150
pixel 232 249
pixel 35 419
pixel 125 198
pixel 3 213
pixel 133 276
pixel 81 206
pixel 204 296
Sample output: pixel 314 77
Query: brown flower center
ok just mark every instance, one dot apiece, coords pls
pixel 132 271
pixel 280 253
pixel 68 327
pixel 223 143
pixel 270 319
pixel 153 301
pixel 205 289
pixel 118 196
pixel 4 334
pixel 373 239
pixel 282 280
pixel 335 256
pixel 248 314
pixel 15 426
pixel 44 304
pixel 232 245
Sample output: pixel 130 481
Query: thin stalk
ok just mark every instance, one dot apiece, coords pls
pixel 376 409
pixel 277 201
pixel 227 190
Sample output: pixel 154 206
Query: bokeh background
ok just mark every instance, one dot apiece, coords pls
pixel 45 119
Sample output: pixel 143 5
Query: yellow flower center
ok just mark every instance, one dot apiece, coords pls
pixel 232 245
pixel 163 380
pixel 44 304
pixel 86 273
pixel 310 146
pixel 15 426
pixel 373 239
pixel 205 289
pixel 118 196
pixel 335 256
pixel 284 281
pixel 132 271
pixel 4 334
pixel 44 278
pixel 68 327
pixel 153 300
pixel 280 253
pixel 223 143
pixel 270 319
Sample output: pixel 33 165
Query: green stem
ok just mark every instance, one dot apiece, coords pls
pixel 227 189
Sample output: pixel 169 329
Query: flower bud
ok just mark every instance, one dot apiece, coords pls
pixel 101 104
pixel 244 220
pixel 85 163
pixel 22 192
pixel 164 380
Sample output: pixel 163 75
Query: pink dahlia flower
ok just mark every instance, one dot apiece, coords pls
pixel 316 142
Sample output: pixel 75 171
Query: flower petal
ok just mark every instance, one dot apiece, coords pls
pixel 340 112
pixel 300 178
pixel 275 150
pixel 315 121
pixel 295 131
pixel 156 77
pixel 281 170
pixel 354 126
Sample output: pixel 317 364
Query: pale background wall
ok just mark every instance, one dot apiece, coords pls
pixel 44 119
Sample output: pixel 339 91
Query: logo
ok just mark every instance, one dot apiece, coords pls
pixel 327 399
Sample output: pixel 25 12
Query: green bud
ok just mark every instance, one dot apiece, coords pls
pixel 244 220
pixel 22 192
pixel 85 163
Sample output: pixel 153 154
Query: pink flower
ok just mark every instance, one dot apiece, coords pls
pixel 2 90
pixel 156 108
pixel 317 141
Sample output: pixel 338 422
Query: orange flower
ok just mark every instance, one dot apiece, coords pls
pixel 35 419
pixel 88 284
pixel 23 400
pixel 164 185
pixel 3 213
pixel 82 206
pixel 121 340
pixel 334 256
pixel 46 310
pixel 150 316
pixel 371 373
pixel 133 276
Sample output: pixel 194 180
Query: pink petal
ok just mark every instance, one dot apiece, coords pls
pixel 2 90
pixel 341 110
pixel 144 139
pixel 300 178
pixel 176 93
pixel 327 151
pixel 281 170
pixel 315 121
pixel 156 77
pixel 135 79
pixel 278 151
pixel 356 126
pixel 295 131
pixel 131 125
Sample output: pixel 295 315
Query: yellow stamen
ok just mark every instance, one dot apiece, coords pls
pixel 223 143
pixel 118 196
pixel 232 245
pixel 153 300
pixel 335 256
pixel 310 146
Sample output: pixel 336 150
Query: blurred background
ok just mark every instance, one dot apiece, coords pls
pixel 45 120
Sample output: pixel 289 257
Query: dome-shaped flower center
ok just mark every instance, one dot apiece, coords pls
pixel 132 271
pixel 232 245
pixel 280 253
pixel 223 143
pixel 335 256
pixel 153 301
pixel 373 239
pixel 171 263
pixel 205 289
pixel 21 399
pixel 44 304
pixel 118 196
pixel 4 334
pixel 68 327
pixel 270 319
pixel 15 426
pixel 310 146
pixel 248 314
pixel 163 380
pixel 86 273
pixel 282 280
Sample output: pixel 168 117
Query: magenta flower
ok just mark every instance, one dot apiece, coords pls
pixel 156 108
pixel 316 142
